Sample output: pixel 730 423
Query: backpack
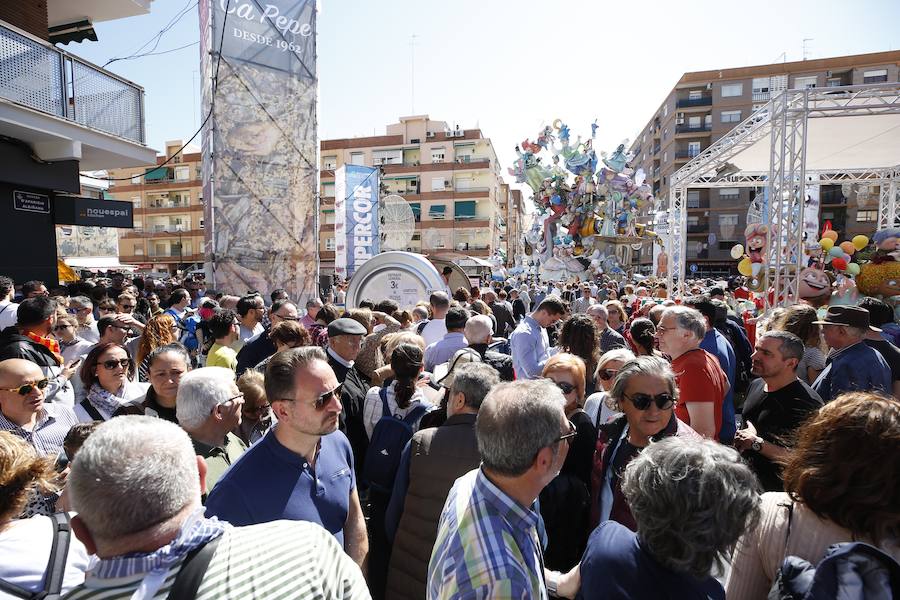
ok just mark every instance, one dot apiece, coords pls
pixel 421 326
pixel 189 337
pixel 389 438
pixel 56 564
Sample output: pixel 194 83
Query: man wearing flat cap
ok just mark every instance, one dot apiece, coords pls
pixel 852 365
pixel 344 341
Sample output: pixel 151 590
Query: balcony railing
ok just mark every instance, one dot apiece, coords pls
pixel 686 153
pixel 692 128
pixel 687 102
pixel 761 96
pixel 472 159
pixel 42 77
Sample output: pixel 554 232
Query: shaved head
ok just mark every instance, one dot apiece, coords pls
pixel 15 371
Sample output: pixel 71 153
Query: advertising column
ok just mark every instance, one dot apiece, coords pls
pixel 260 148
pixel 357 235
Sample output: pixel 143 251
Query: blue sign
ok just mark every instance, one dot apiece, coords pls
pixel 356 224
pixel 693 268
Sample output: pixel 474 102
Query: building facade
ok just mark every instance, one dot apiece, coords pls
pixel 168 212
pixel 704 106
pixel 450 177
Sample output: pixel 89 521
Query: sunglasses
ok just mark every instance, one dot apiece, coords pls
pixel 568 436
pixel 643 401
pixel 24 390
pixel 564 386
pixel 285 318
pixel 112 364
pixel 324 399
pixel 60 327
pixel 606 374
pixel 128 307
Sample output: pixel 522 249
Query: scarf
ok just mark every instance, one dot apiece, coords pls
pixel 103 400
pixel 48 343
pixel 195 532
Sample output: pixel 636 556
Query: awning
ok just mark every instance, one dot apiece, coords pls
pixel 465 209
pixel 156 174
pixel 98 263
pixel 417 209
pixel 64 272
pixel 437 210
pixel 72 32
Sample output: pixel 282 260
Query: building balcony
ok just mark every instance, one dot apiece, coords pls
pixel 158 231
pixel 689 102
pixel 170 257
pixel 68 108
pixel 686 154
pixel 761 96
pixel 692 128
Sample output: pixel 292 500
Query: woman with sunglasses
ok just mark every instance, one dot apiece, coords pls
pixel 71 346
pixel 645 392
pixel 565 500
pixel 159 331
pixel 108 376
pixel 605 375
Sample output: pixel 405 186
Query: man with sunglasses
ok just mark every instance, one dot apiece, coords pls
pixel 251 310
pixel 256 351
pixel 82 309
pixel 23 411
pixel 302 470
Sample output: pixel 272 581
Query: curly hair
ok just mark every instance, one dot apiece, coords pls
pixel 799 320
pixel 21 472
pixel 579 336
pixel 845 464
pixel 158 332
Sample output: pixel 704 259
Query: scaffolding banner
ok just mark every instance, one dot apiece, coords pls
pixel 356 225
pixel 260 151
pixel 811 211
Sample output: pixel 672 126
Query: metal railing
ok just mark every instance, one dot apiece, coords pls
pixel 42 77
pixel 702 101
pixel 761 96
pixel 692 128
pixel 686 153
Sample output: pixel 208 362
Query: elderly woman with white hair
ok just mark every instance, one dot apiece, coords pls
pixel 604 376
pixel 479 333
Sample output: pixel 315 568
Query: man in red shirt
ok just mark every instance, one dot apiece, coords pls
pixel 702 383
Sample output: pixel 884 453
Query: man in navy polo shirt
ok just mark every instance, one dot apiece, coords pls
pixel 302 470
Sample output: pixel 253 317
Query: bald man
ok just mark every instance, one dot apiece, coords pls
pixel 22 409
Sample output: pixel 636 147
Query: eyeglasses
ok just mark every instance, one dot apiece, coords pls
pixel 568 436
pixel 24 390
pixel 643 401
pixel 60 327
pixel 285 318
pixel 128 307
pixel 324 399
pixel 235 398
pixel 112 364
pixel 607 374
pixel 564 386
pixel 661 329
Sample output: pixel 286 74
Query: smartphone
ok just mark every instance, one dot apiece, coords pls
pixel 76 362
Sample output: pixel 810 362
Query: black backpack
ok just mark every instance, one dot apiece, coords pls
pixel 56 565
pixel 389 438
pixel 421 326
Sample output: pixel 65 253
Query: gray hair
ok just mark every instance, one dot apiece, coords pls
pixel 598 310
pixel 691 500
pixel 314 302
pixel 622 355
pixel 478 328
pixel 421 312
pixel 282 367
pixel 689 319
pixel 199 392
pixel 648 366
pixel 133 472
pixel 474 380
pixel 80 302
pixel 516 420
pixel 791 345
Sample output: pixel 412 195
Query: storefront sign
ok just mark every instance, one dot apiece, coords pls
pixel 77 210
pixel 31 202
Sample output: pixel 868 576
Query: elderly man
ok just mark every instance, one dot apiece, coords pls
pixel 702 384
pixel 313 305
pixel 83 309
pixel 434 329
pixel 31 340
pixel 777 404
pixel 852 365
pixel 440 351
pixel 610 339
pixel 489 525
pixel 302 470
pixel 144 540
pixel 529 343
pixel 431 462
pixel 479 332
pixel 582 304
pixel 344 342
pixel 23 411
pixel 256 351
pixel 208 407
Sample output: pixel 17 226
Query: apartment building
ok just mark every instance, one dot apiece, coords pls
pixel 450 177
pixel 168 212
pixel 704 106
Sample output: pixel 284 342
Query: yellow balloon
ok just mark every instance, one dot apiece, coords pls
pixel 860 242
pixel 826 243
pixel 831 234
pixel 745 267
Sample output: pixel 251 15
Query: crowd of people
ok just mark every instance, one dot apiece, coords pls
pixel 517 439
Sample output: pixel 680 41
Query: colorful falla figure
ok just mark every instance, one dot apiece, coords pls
pixel 757 240
pixel 815 286
pixel 887 242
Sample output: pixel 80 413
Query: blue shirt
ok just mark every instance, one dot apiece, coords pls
pixel 616 566
pixel 488 545
pixel 270 482
pixel 443 350
pixel 718 345
pixel 530 348
pixel 854 368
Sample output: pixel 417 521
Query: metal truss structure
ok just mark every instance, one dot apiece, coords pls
pixel 784 120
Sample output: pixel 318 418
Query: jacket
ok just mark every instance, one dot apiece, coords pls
pixel 501 362
pixel 353 399
pixel 854 368
pixel 505 321
pixel 15 345
pixel 437 457
pixel 254 352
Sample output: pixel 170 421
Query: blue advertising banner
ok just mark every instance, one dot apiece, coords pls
pixel 356 224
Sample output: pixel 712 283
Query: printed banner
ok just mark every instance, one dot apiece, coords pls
pixel 260 147
pixel 356 224
pixel 811 211
pixel 78 210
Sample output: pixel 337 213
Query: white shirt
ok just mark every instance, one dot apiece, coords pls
pixel 434 331
pixel 595 403
pixel 8 314
pixel 25 548
pixel 248 335
pixel 79 349
pixel 373 409
pixel 89 333
pixel 134 391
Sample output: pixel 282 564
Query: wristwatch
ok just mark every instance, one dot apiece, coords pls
pixel 552 580
pixel 757 444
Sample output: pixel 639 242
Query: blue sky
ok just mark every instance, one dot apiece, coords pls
pixel 507 66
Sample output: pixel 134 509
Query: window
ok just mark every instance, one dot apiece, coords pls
pixel 329 163
pixel 665 157
pixel 136 179
pixel 182 173
pixel 727 244
pixel 136 201
pixel 329 244
pixel 729 193
pixel 693 150
pixel 693 220
pixel 328 189
pixel 138 223
pixel 464 209
pixel 760 85
pixel 731 116
pixel 138 251
pixel 437 184
pixel 357 158
pixel 694 122
pixel 828 214
pixel 833 82
pixel 805 83
pixel 437 212
pixel 728 220
pixel 665 110
pixel 328 217
pixel 732 90
pixel 878 76
pixel 417 210
pixel 695 94
pixel 866 216
pixel 693 199
pixel 437 155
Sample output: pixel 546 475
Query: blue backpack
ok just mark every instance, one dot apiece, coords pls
pixel 389 438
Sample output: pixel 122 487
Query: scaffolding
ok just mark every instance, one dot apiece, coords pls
pixel 832 135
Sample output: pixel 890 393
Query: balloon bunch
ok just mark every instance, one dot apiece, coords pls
pixel 840 255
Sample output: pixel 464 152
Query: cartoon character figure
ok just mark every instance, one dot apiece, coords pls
pixel 815 286
pixel 887 242
pixel 757 241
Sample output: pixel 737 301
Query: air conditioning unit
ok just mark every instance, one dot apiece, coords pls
pixel 827 73
pixel 709 86
pixel 415 141
pixel 429 134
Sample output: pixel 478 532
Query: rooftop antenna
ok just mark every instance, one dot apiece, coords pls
pixel 783 56
pixel 804 46
pixel 412 74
